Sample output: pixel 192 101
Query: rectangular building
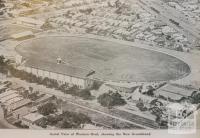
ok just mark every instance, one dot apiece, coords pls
pixel 60 72
pixel 31 119
pixel 30 22
pixel 22 35
pixel 18 104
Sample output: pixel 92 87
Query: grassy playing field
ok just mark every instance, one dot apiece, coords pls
pixel 110 60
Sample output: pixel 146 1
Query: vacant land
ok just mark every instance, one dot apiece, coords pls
pixel 110 60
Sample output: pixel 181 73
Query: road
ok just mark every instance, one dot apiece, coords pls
pixel 166 13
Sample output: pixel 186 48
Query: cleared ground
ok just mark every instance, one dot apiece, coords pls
pixel 110 60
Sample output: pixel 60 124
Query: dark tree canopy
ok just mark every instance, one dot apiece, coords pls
pixel 2 5
pixel 46 109
pixel 195 97
pixel 72 120
pixel 111 99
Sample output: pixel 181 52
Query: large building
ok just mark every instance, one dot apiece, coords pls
pixel 60 72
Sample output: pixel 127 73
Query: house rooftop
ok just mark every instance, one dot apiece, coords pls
pixel 20 103
pixel 33 117
pixel 175 106
pixel 13 101
pixel 6 93
pixel 9 97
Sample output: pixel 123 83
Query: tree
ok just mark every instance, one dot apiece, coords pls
pixel 111 99
pixel 20 125
pixel 156 111
pixel 2 59
pixel 140 105
pixel 105 100
pixel 195 97
pixel 43 123
pixel 48 108
pixel 4 64
pixel 72 120
pixel 86 11
pixel 33 96
pixel 96 85
pixel 31 89
pixel 2 5
pixel 156 103
pixel 53 120
pixel 64 87
pixel 24 94
pixel 179 48
pixel 47 26
pixel 194 93
pixel 85 94
pixel 183 100
pixel 150 92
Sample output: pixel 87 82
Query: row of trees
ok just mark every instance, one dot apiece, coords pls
pixel 75 91
pixel 65 120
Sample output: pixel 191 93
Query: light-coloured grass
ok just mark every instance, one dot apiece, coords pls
pixel 110 60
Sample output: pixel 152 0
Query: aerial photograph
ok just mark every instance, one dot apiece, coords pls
pixel 100 64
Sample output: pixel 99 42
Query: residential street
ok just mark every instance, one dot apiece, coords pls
pixel 166 14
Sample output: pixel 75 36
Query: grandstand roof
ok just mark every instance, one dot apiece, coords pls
pixel 58 68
